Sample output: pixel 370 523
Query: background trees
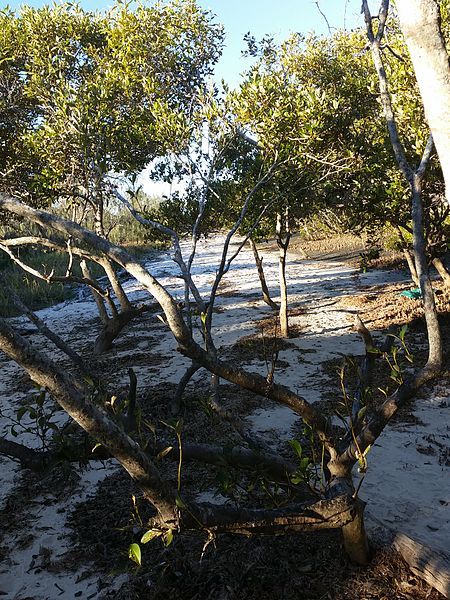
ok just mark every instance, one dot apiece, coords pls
pixel 109 92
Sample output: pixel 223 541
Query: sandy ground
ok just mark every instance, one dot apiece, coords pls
pixel 407 485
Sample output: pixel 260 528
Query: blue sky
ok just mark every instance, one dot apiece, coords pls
pixel 260 17
pixel 279 19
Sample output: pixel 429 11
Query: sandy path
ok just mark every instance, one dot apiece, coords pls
pixel 405 488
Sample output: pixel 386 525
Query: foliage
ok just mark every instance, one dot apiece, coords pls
pixel 37 418
pixel 108 92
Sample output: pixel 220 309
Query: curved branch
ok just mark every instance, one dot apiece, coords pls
pixel 180 331
pixel 71 395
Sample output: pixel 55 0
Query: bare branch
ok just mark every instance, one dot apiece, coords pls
pixel 325 514
pixel 178 256
pixel 324 17
pixel 188 346
pixel 71 396
pixel 51 278
pixel 69 251
pixel 428 150
pixel 382 17
pixel 42 327
pixel 385 97
pixel 222 266
pixel 53 244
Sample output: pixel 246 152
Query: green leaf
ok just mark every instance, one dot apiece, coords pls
pixel 134 553
pixel 362 412
pixel 150 535
pixel 40 399
pixel 296 447
pixel 164 452
pixel 180 502
pixel 20 413
pixel 168 537
pixel 297 478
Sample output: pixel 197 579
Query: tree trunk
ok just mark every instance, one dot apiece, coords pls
pixel 355 538
pixel 112 328
pixel 431 317
pixel 443 273
pixel 262 278
pixel 420 24
pixel 284 321
pixel 412 267
pixel 408 256
pixel 97 297
pixel 414 179
pixel 283 239
pixel 125 304
pixel 182 384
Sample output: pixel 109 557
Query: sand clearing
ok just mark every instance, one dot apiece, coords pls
pixel 407 485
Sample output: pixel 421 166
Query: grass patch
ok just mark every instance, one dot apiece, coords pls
pixel 34 292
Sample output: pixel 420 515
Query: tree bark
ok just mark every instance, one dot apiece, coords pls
pixel 412 267
pixel 443 273
pixel 325 514
pixel 97 297
pixel 414 179
pixel 434 362
pixel 28 458
pixel 112 329
pixel 420 25
pixel 283 239
pixel 355 538
pixel 262 278
pixel 430 565
pixel 121 296
pixel 71 395
pixel 182 384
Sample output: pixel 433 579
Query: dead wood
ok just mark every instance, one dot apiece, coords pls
pixel 430 565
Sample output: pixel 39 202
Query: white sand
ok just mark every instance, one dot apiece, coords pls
pixel 405 489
